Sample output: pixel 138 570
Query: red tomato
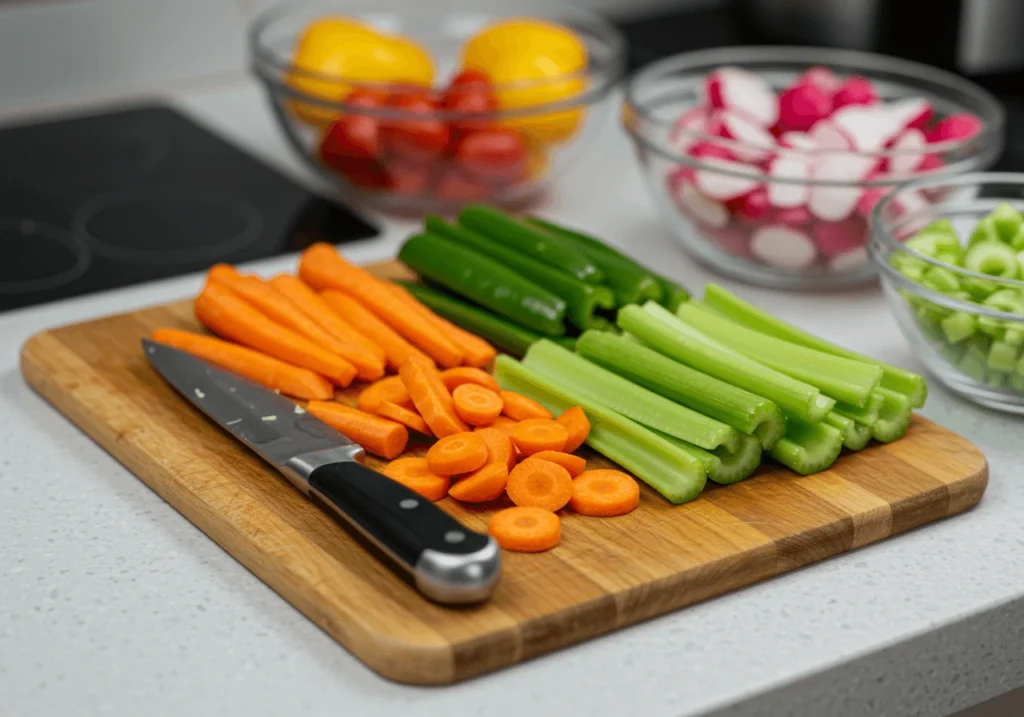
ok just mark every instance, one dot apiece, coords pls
pixel 417 140
pixel 470 92
pixel 456 185
pixel 409 179
pixel 496 154
pixel 470 77
pixel 353 138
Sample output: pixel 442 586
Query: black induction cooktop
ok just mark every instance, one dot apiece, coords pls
pixel 122 197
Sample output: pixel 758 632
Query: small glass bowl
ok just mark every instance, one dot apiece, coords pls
pixel 787 249
pixel 975 349
pixel 553 133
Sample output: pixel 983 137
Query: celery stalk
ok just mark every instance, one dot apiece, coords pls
pixel 745 411
pixel 577 374
pixel 840 378
pixel 662 331
pixel 807 447
pixel 894 378
pixel 865 416
pixel 894 419
pixel 722 466
pixel 855 436
pixel 677 474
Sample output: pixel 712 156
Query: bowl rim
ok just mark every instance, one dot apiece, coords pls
pixel 990 138
pixel 882 243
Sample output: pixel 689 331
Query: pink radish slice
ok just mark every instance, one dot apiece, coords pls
pixel 853 259
pixel 821 77
pixel 835 202
pixel 757 142
pixel 834 238
pixel 794 192
pixel 856 90
pixel 782 246
pixel 692 122
pixel 752 208
pixel 793 217
pixel 709 150
pixel 912 113
pixel 713 181
pixel 868 200
pixel 906 158
pixel 930 163
pixel 699 208
pixel 826 135
pixel 868 127
pixel 730 88
pixel 732 239
pixel 798 140
pixel 954 127
pixel 803 105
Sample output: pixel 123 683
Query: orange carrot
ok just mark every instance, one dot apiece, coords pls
pixel 499 447
pixel 476 405
pixel 539 483
pixel 573 464
pixel 525 529
pixel 403 415
pixel 455 377
pixel 377 435
pixel 394 346
pixel 539 434
pixel 264 370
pixel 223 274
pixel 414 474
pixel 504 424
pixel 604 493
pixel 485 483
pixel 225 313
pixel 322 267
pixel 575 421
pixel 519 407
pixel 430 397
pixel 314 306
pixel 460 453
pixel 476 351
pixel 387 389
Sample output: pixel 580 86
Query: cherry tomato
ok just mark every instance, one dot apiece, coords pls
pixel 351 143
pixel 417 140
pixel 456 185
pixel 409 179
pixel 470 76
pixel 495 155
pixel 470 92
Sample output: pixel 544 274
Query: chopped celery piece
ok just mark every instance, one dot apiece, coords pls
pixel 865 416
pixel 893 378
pixel 855 436
pixel 953 353
pixel 1017 382
pixel 931 313
pixel 941 279
pixel 997 379
pixel 984 231
pixel 627 356
pixel 807 447
pixel 678 475
pixel 1014 335
pixel 726 467
pixel 932 330
pixel 993 258
pixel 959 326
pixel 1002 356
pixel 938 241
pixel 979 289
pixel 1017 242
pixel 661 330
pixel 974 363
pixel 1020 366
pixel 995 328
pixel 840 378
pixel 1008 300
pixel 612 391
pixel 910 266
pixel 1006 221
pixel 894 419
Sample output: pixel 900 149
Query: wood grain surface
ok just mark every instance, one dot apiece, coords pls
pixel 608 573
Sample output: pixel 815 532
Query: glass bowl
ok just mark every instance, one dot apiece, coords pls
pixel 966 327
pixel 808 246
pixel 528 150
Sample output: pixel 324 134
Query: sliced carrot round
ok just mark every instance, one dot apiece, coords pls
pixel 403 415
pixel 540 484
pixel 483 484
pixel 455 377
pixel 526 529
pixel 539 434
pixel 459 453
pixel 604 493
pixel 390 389
pixel 504 424
pixel 575 421
pixel 476 405
pixel 414 474
pixel 499 446
pixel 519 407
pixel 573 464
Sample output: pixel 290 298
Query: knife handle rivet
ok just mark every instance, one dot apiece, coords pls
pixel 408 503
pixel 454 536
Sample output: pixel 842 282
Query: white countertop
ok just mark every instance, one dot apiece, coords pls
pixel 111 603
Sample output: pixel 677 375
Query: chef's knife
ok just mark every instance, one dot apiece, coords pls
pixel 448 562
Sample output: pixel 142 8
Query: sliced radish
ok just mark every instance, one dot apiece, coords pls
pixel 930 163
pixel 821 77
pixel 733 239
pixel 783 246
pixel 835 238
pixel 959 126
pixel 869 127
pixel 698 207
pixel 868 199
pixel 795 191
pixel 907 157
pixel 793 217
pixel 752 208
pixel 826 135
pixel 911 113
pixel 853 259
pixel 803 105
pixel 683 136
pixel 733 89
pixel 856 90
pixel 836 202
pixel 909 202
pixel 712 179
pixel 710 150
pixel 757 143
pixel 798 140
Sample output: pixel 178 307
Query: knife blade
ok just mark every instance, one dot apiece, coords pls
pixel 447 562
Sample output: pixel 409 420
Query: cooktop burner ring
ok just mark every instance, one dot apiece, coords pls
pixel 33 230
pixel 97 220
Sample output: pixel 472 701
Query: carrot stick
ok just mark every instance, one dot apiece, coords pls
pixel 430 397
pixel 377 435
pixel 485 483
pixel 604 493
pixel 225 313
pixel 414 474
pixel 499 447
pixel 540 484
pixel 396 349
pixel 455 377
pixel 459 453
pixel 323 268
pixel 519 407
pixel 539 434
pixel 264 370
pixel 573 464
pixel 575 421
pixel 476 405
pixel 526 530
pixel 403 415
pixel 476 351
pixel 389 389
pixel 314 306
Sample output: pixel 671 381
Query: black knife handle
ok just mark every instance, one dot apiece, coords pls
pixel 449 562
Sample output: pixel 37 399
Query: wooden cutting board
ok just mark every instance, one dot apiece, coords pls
pixel 607 573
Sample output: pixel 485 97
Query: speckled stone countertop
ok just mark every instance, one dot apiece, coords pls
pixel 113 604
